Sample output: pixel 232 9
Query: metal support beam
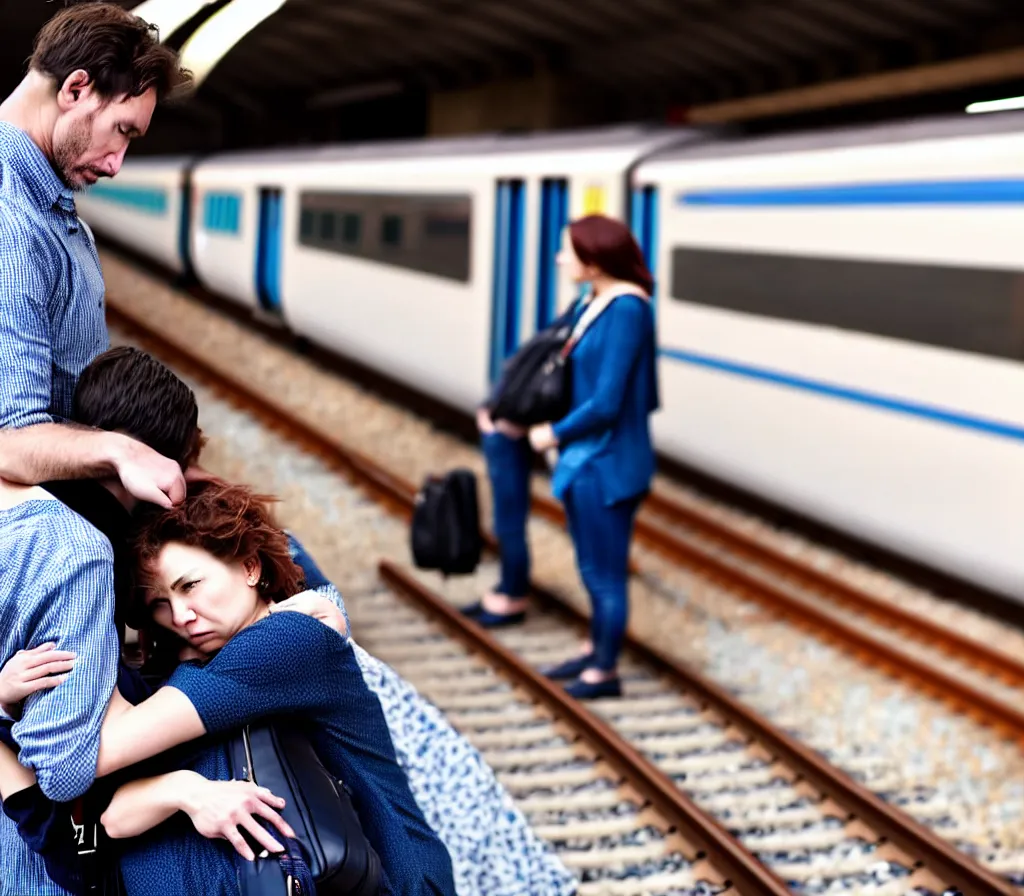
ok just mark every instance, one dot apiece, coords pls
pixel 984 69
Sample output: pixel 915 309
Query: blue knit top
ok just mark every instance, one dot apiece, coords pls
pixel 291 665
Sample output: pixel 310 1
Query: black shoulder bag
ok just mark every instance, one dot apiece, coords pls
pixel 330 850
pixel 536 384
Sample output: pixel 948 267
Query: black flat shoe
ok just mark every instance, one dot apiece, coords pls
pixel 585 690
pixel 472 610
pixel 498 620
pixel 569 669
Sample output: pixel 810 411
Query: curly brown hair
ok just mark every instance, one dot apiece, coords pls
pixel 232 523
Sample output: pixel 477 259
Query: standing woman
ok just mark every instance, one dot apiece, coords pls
pixel 606 459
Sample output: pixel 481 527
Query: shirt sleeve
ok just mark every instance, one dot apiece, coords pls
pixel 625 332
pixel 59 731
pixel 25 341
pixel 274 667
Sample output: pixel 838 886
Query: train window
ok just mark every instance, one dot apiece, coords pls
pixel 431 234
pixel 307 223
pixel 350 229
pixel 441 226
pixel 391 231
pixel 327 222
pixel 967 309
pixel 222 212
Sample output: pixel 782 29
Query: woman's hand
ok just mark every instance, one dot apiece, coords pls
pixel 309 603
pixel 220 808
pixel 542 437
pixel 509 430
pixel 29 671
pixel 484 422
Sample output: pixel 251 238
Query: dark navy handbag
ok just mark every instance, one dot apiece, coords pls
pixel 330 855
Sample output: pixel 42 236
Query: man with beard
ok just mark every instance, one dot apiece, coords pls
pixel 93 82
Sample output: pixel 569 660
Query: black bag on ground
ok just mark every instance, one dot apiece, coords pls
pixel 536 384
pixel 446 524
pixel 332 847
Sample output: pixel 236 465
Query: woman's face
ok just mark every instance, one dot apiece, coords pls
pixel 202 599
pixel 567 258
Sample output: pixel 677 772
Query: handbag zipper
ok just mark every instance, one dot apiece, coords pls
pixel 250 771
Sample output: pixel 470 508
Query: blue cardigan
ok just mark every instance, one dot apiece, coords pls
pixel 614 391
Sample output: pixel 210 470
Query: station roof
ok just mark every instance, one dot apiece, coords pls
pixel 693 52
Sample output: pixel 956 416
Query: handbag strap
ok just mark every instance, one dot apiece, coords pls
pixel 593 310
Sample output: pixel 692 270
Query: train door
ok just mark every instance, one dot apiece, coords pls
pixel 185 224
pixel 269 245
pixel 554 215
pixel 644 223
pixel 508 272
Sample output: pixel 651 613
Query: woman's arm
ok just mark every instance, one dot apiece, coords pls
pixel 133 733
pixel 217 809
pixel 13 775
pixel 625 332
pixel 255 675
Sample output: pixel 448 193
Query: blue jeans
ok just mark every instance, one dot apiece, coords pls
pixel 508 466
pixel 601 535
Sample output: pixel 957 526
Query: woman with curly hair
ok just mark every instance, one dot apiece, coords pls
pixel 211 570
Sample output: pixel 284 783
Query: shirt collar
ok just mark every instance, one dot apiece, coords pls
pixel 26 159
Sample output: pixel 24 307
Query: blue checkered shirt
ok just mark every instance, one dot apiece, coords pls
pixel 51 287
pixel 56 584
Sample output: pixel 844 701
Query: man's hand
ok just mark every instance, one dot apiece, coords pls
pixel 309 603
pixel 33 670
pixel 148 475
pixel 219 808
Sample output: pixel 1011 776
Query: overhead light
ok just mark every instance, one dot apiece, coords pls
pixel 218 34
pixel 1013 102
pixel 169 15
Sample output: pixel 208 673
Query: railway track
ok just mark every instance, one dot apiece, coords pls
pixel 969 674
pixel 816 827
pixel 610 815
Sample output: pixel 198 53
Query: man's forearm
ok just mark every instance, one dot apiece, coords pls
pixel 51 451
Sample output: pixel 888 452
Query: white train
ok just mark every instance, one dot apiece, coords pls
pixel 840 315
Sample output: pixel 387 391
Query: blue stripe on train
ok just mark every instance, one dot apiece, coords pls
pixel 959 192
pixel 844 393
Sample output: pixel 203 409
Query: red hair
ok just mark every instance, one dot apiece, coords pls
pixel 608 244
pixel 232 523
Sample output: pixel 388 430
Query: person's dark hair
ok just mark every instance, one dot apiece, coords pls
pixel 127 390
pixel 608 244
pixel 121 52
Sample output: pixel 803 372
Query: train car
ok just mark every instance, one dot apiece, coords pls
pixel 146 208
pixel 842 329
pixel 840 313
pixel 429 260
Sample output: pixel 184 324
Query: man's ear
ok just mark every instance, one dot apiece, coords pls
pixel 76 89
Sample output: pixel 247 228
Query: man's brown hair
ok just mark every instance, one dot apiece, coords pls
pixel 127 390
pixel 121 52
